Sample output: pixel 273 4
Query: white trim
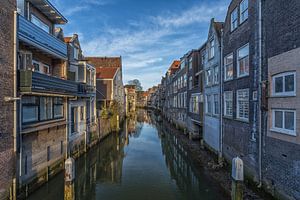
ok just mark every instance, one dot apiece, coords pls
pixel 237 104
pixel 225 108
pixel 283 75
pixel 238 59
pixel 283 130
pixel 225 66
pixel 241 11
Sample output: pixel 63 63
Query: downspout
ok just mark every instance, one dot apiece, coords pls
pixel 221 98
pixel 15 132
pixel 259 91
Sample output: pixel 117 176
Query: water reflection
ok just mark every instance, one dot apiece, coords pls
pixel 142 162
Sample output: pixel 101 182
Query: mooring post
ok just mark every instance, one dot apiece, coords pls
pixel 237 175
pixel 69 193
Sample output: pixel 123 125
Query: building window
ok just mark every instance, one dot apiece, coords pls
pixel 81 113
pixel 203 58
pixel 228 103
pixel 234 19
pixel 48 153
pixel 185 97
pixel 284 121
pixel 242 104
pixel 208 104
pixel 61 147
pixel 216 104
pixel 26 165
pixel 58 107
pixel 190 63
pixel 185 80
pixel 194 104
pixel 30 109
pixel 46 106
pixel 76 53
pixel 243 11
pixel 243 61
pixel 216 74
pixel 191 82
pixel 284 84
pixel 209 77
pixel 228 74
pixel 74 119
pixel 35 20
pixel 211 52
pixel 41 67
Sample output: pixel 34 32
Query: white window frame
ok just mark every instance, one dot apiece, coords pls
pixel 234 21
pixel 284 93
pixel 238 105
pixel 39 23
pixel 216 75
pixel 244 12
pixel 211 48
pixel 225 105
pixel 283 130
pixel 238 61
pixel 226 65
pixel 214 103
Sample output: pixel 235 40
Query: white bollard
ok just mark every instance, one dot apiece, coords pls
pixel 237 175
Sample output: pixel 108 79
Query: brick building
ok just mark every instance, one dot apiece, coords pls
pixel 7 125
pixel 130 99
pixel 194 91
pixel 241 68
pixel 109 85
pixel 81 110
pixel 212 91
pixel 281 159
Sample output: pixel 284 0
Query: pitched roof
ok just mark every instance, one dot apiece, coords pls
pixel 174 67
pixel 67 39
pixel 106 72
pixel 105 61
pixel 218 27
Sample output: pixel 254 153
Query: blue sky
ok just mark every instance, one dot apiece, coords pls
pixel 148 34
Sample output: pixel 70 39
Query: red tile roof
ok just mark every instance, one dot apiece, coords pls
pixel 106 72
pixel 105 61
pixel 174 67
pixel 67 39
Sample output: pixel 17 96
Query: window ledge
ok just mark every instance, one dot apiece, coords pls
pixel 242 120
pixel 243 76
pixel 227 117
pixel 228 80
pixel 283 96
pixel 283 132
pixel 42 125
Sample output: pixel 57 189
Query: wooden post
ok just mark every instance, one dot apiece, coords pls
pixel 69 193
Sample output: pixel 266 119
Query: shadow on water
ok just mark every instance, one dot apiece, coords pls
pixel 142 162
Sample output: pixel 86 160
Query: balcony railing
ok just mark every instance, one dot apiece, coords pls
pixel 36 82
pixel 35 36
pixel 86 89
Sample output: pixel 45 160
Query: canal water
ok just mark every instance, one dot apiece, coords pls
pixel 144 161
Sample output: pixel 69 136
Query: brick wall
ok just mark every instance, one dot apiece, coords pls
pixel 281 158
pixel 7 8
pixel 239 136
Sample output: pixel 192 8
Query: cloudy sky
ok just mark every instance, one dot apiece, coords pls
pixel 148 34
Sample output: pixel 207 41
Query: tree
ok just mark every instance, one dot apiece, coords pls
pixel 137 84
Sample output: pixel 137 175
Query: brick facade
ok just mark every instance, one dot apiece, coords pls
pixel 241 136
pixel 281 158
pixel 7 156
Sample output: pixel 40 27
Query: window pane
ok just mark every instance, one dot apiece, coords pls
pixel 289 120
pixel 46 108
pixel 30 114
pixel 243 52
pixel 58 111
pixel 278 84
pixel 289 83
pixel 278 119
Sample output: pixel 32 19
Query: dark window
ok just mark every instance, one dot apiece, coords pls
pixel 48 153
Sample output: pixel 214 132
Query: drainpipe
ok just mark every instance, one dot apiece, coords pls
pixel 15 132
pixel 259 91
pixel 221 97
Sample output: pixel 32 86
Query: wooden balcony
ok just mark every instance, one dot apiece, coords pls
pixel 35 37
pixel 36 82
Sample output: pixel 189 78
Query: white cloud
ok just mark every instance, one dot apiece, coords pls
pixel 149 48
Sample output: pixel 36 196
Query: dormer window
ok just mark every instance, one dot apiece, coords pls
pixel 234 19
pixel 243 11
pixel 35 20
